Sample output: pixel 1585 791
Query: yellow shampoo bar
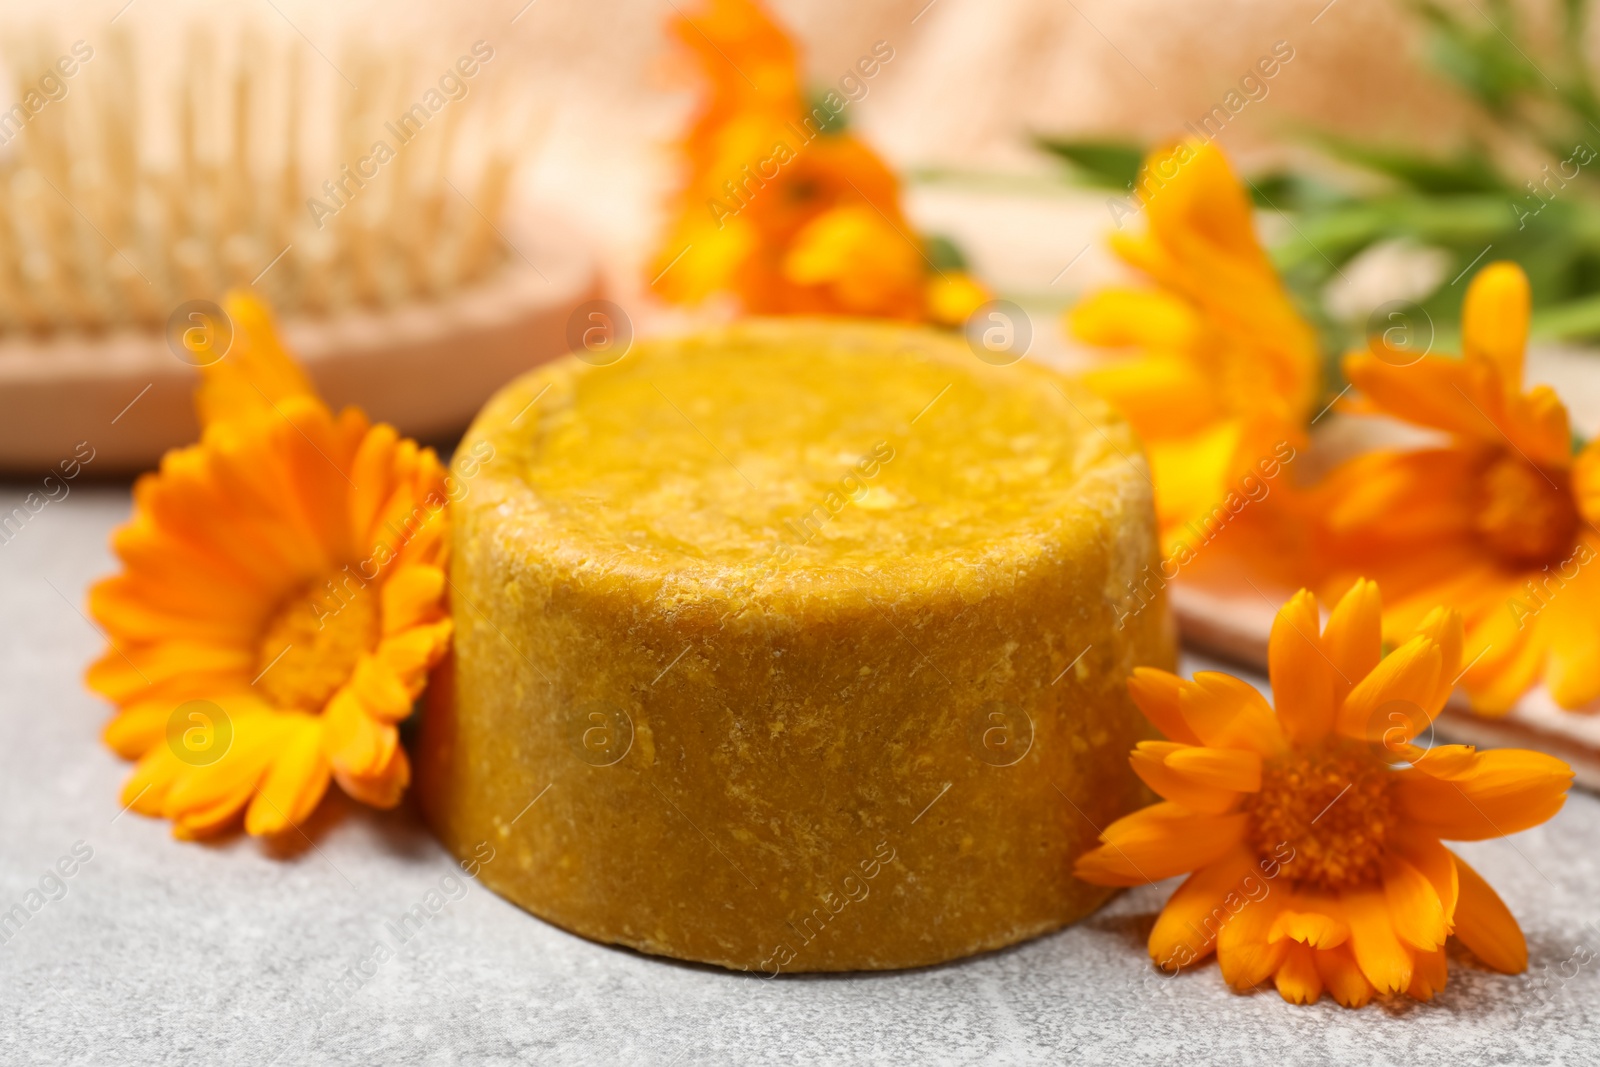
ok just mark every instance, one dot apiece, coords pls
pixel 794 646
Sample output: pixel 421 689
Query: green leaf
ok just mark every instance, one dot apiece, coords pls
pixel 1278 190
pixel 1104 162
pixel 829 122
pixel 1481 56
pixel 1467 172
pixel 1567 321
pixel 943 252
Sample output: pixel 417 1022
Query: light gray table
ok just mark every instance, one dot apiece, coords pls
pixel 165 952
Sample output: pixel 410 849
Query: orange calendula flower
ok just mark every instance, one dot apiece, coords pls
pixel 1214 367
pixel 1499 520
pixel 280 604
pixel 782 207
pixel 1311 833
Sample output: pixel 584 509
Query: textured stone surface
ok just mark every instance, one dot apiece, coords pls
pixel 166 952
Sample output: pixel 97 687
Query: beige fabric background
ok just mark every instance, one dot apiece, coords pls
pixel 970 82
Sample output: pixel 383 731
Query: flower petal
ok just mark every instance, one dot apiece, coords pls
pixel 1443 627
pixel 1164 395
pixel 1301 671
pixel 1438 866
pixel 146 789
pixel 295 783
pixel 1414 906
pixel 1378 950
pixel 1586 481
pixel 1192 472
pixel 1395 694
pixel 411 597
pixel 1148 761
pixel 1508 669
pixel 1186 930
pixel 1485 925
pixel 380 690
pixel 1428 974
pixel 257 371
pixel 137 728
pixel 1572 619
pixel 1202 201
pixel 1494 319
pixel 1354 636
pixel 234 775
pixel 1446 394
pixel 1158 842
pixel 1446 761
pixel 1342 976
pixel 411 653
pixel 1226 712
pixel 122 676
pixel 1312 922
pixel 1142 318
pixel 371 472
pixel 1155 692
pixel 136 607
pixel 356 744
pixel 1297 979
pixel 385 787
pixel 198 823
pixel 1418 496
pixel 1220 768
pixel 1498 793
pixel 1244 952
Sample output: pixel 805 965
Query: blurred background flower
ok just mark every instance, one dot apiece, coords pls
pixel 1498 521
pixel 784 207
pixel 1379 216
pixel 1213 365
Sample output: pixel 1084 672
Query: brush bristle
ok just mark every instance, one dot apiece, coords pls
pixel 119 201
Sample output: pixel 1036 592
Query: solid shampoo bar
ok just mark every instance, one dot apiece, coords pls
pixel 794 646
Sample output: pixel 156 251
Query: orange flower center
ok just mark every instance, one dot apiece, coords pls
pixel 310 646
pixel 1526 515
pixel 1331 804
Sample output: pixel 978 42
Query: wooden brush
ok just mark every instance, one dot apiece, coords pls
pixel 143 186
pixel 135 177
